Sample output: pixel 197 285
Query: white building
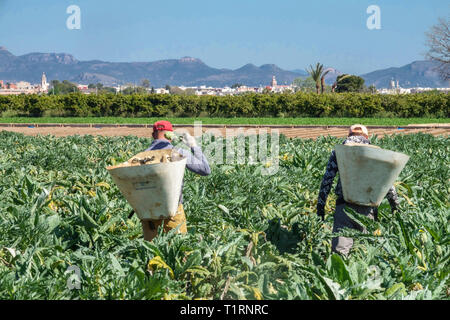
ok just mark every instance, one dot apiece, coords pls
pixel 44 84
pixel 275 87
pixel 22 85
pixel 394 88
pixel 419 89
pixel 162 91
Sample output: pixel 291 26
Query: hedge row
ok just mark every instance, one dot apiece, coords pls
pixel 249 105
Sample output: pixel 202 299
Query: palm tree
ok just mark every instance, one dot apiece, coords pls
pixel 315 74
pixel 333 87
pixel 318 75
pixel 322 79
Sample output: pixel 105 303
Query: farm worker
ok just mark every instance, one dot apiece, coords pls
pixel 357 134
pixel 196 162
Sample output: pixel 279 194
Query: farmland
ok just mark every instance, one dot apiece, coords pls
pixel 60 209
pixel 324 121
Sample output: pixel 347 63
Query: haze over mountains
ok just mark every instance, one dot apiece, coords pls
pixel 186 71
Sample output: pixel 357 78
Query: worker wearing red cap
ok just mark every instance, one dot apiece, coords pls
pixel 196 162
pixel 357 134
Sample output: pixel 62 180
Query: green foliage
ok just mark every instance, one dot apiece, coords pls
pixel 145 83
pixel 349 83
pixel 305 84
pixel 185 104
pixel 64 87
pixel 316 73
pixel 180 92
pixel 134 90
pixel 101 89
pixel 60 208
pixel 372 89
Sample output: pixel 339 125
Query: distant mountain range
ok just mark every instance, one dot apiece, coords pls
pixel 416 74
pixel 186 71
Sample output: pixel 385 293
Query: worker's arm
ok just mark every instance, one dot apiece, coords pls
pixel 327 183
pixel 393 198
pixel 196 160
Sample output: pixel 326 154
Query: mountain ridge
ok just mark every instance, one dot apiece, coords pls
pixel 187 71
pixel 419 73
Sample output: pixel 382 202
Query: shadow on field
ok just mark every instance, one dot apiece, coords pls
pixel 284 239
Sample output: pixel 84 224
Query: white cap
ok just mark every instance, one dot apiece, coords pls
pixel 358 129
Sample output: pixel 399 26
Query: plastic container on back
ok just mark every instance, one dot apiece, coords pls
pixel 367 172
pixel 153 189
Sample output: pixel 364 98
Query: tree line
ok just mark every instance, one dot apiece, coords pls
pixel 300 104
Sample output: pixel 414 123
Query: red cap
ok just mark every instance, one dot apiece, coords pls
pixel 162 125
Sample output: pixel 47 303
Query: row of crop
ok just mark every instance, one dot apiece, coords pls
pixel 60 210
pixel 249 105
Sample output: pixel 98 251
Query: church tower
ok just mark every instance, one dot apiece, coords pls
pixel 44 83
pixel 274 82
pixel 392 84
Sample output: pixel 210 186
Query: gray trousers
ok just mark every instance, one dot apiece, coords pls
pixel 341 220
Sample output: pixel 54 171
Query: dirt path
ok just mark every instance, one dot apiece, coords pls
pixel 142 131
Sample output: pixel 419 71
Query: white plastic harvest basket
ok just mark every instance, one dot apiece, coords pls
pixel 367 172
pixel 153 190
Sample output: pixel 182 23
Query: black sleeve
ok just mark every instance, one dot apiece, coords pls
pixel 392 198
pixel 327 183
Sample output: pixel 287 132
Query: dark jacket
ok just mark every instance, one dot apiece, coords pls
pixel 330 174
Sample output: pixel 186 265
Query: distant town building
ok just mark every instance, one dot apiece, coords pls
pixel 274 87
pixel 161 91
pixel 394 88
pixel 419 90
pixel 44 84
pixel 392 84
pixel 23 87
pixel 245 89
pixel 274 82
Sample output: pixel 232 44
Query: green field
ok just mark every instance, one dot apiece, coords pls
pixel 235 121
pixel 249 236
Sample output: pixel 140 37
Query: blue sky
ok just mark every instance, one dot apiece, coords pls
pixel 226 34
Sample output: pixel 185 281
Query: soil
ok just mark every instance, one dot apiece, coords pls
pixel 313 132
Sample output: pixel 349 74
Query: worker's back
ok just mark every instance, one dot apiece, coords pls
pixel 196 161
